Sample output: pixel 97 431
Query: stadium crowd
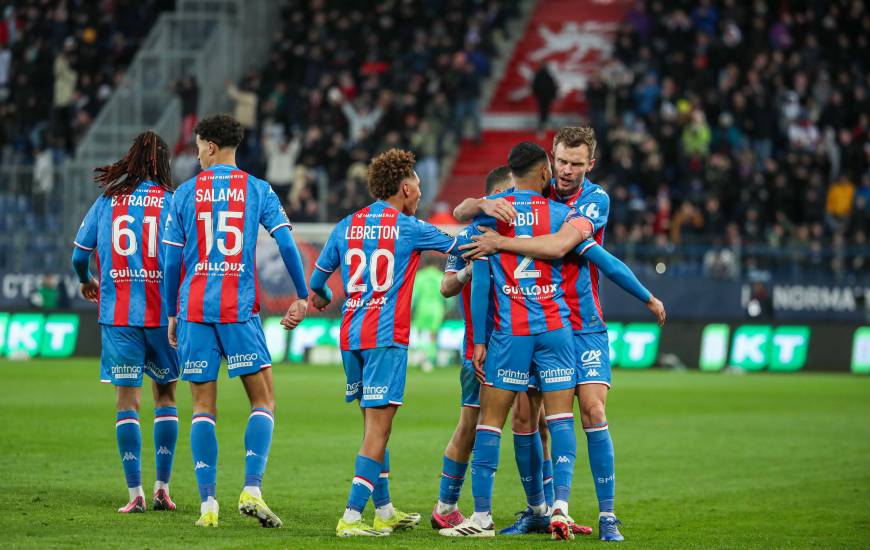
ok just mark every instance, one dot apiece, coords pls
pixel 345 81
pixel 741 125
pixel 59 62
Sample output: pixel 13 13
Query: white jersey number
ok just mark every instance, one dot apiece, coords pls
pixel 522 270
pixel 388 266
pixel 150 225
pixel 226 228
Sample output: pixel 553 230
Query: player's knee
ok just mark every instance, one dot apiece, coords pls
pixel 521 423
pixel 592 413
pixel 128 399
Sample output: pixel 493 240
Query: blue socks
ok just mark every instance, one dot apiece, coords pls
pixel 204 446
pixel 601 463
pixel 548 482
pixel 452 476
pixel 130 446
pixel 381 494
pixel 165 437
pixel 366 472
pixel 484 463
pixel 564 455
pixel 529 454
pixel 258 439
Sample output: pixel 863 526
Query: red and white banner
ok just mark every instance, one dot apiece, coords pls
pixel 576 39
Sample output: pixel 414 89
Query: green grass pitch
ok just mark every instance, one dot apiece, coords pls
pixel 703 461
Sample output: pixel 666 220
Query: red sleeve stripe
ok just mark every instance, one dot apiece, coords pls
pixel 279 226
pixel 82 246
pixel 587 247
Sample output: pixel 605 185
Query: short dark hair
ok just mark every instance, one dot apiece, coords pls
pixel 525 156
pixel 222 130
pixel 575 136
pixel 388 170
pixel 497 177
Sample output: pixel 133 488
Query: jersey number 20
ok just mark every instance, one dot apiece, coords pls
pixel 382 259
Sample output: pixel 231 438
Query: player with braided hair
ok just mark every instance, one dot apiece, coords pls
pixel 123 228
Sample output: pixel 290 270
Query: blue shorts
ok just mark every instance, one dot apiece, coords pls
pixel 470 386
pixel 593 358
pixel 130 351
pixel 202 345
pixel 513 361
pixel 375 377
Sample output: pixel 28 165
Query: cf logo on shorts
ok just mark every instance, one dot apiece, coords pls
pixel 591 358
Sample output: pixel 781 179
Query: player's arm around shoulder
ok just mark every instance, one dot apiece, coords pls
pixel 544 247
pixel 495 206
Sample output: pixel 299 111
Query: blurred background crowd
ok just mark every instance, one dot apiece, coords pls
pixel 733 136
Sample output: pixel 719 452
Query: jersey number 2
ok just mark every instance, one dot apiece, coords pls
pixel 522 270
pixel 389 264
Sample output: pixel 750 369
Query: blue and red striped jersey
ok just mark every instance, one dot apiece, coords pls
pixel 581 277
pixel 529 296
pixel 378 249
pixel 125 231
pixel 456 263
pixel 215 218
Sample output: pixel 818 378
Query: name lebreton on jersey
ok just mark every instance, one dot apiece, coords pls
pixel 378 250
pixel 214 217
pixel 125 231
pixel 592 203
pixel 528 294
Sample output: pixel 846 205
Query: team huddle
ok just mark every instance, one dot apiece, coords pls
pixel 177 294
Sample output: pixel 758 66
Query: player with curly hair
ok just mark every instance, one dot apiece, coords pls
pixel 377 250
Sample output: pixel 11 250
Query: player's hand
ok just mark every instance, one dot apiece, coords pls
pixel 657 308
pixel 91 291
pixel 172 332
pixel 499 209
pixel 485 244
pixel 478 359
pixel 319 302
pixel 295 314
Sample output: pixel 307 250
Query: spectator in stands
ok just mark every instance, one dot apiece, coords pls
pixel 65 79
pixel 187 91
pixel 545 90
pixel 281 155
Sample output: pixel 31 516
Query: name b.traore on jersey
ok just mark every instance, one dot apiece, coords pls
pixel 378 250
pixel 214 217
pixel 125 232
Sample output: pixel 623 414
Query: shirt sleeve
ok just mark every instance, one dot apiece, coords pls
pixel 86 238
pixel 273 215
pixel 596 209
pixel 429 237
pixel 173 233
pixel 455 263
pixel 329 258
